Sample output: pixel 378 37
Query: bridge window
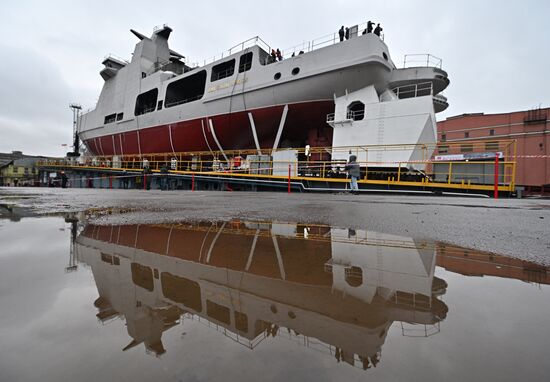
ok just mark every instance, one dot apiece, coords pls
pixel 241 322
pixel 142 276
pixel 110 118
pixel 223 70
pixel 146 102
pixel 119 116
pixel 181 290
pixel 188 89
pixel 245 62
pixel 218 312
pixel 356 111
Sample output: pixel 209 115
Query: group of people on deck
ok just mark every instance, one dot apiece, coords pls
pixel 344 33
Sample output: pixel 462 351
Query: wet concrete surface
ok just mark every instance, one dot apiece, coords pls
pixel 513 227
pixel 249 300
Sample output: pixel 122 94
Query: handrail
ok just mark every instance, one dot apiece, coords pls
pixel 414 90
pixel 422 60
pixel 306 46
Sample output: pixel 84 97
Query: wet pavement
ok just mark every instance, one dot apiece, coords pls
pixel 256 299
pixel 515 227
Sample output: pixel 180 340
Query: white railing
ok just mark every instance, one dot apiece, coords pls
pixel 116 58
pixel 307 46
pixel 159 27
pixel 256 40
pixel 350 116
pixel 414 90
pixel 421 60
pixel 320 42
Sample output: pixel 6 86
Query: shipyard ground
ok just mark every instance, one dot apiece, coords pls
pixel 514 227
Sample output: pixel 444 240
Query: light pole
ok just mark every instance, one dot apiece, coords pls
pixel 76 108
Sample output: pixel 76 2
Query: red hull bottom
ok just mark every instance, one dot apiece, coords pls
pixel 305 124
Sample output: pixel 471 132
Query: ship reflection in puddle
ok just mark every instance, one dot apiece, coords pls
pixel 335 290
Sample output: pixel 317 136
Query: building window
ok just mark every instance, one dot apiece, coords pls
pixel 467 134
pixel 443 137
pixel 245 62
pixel 146 102
pixel 491 146
pixel 15 170
pixel 467 148
pixel 492 132
pixel 443 149
pixel 223 70
pixel 188 89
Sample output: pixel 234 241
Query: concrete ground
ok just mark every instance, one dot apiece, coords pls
pixel 513 227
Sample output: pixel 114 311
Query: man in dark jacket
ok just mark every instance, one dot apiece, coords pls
pixel 377 30
pixel 354 172
pixel 341 33
pixel 370 26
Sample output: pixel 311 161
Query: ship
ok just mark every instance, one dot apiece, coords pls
pixel 248 100
pixel 342 289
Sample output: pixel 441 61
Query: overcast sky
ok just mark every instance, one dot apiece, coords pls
pixel 497 53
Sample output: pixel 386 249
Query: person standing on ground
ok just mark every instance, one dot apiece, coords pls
pixel 354 172
pixel 377 30
pixel 341 33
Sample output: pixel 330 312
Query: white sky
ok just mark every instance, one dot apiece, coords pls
pixel 497 53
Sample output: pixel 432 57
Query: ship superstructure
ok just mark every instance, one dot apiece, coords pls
pixel 156 103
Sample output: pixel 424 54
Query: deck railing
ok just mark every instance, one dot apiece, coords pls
pixel 467 170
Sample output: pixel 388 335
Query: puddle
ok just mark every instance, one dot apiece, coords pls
pixel 243 300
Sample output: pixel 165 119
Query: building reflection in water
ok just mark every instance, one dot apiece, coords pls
pixel 336 290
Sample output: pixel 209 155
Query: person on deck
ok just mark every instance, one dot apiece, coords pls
pixel 341 33
pixel 377 30
pixel 370 26
pixel 347 33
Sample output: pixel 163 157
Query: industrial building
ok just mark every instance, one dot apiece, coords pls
pixel 528 128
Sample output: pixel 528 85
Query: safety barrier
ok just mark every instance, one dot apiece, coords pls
pixel 481 165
